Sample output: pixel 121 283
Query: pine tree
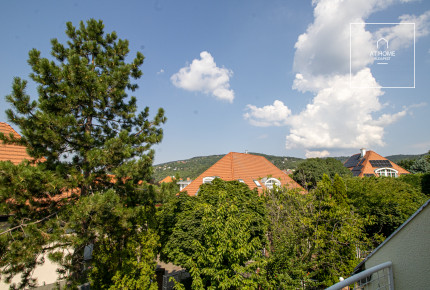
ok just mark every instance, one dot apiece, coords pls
pixel 94 140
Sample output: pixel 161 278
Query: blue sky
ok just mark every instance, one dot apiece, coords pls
pixel 276 77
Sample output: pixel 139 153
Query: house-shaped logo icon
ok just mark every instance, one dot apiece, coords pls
pixel 381 42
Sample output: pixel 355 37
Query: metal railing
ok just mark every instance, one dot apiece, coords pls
pixel 378 277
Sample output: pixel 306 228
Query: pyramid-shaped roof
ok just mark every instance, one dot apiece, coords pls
pixel 10 152
pixel 253 170
pixel 371 164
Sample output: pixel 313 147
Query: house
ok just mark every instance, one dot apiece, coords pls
pixel 182 183
pixel 402 261
pixel 167 179
pixel 255 171
pixel 370 163
pixel 46 274
pixel 10 152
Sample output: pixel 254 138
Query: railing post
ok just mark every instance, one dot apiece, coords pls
pixel 391 277
pixel 362 275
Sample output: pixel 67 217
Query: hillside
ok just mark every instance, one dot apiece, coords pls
pixel 398 157
pixel 195 166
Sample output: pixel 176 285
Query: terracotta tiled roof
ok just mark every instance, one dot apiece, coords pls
pixel 14 153
pixel 371 161
pixel 167 179
pixel 245 167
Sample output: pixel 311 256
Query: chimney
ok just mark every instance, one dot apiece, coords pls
pixel 246 151
pixel 363 152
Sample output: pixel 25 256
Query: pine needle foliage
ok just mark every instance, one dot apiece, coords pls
pixel 92 159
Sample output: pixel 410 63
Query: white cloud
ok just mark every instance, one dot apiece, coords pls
pixel 160 72
pixel 271 115
pixel 317 154
pixel 338 116
pixel 323 50
pixel 402 35
pixel 203 75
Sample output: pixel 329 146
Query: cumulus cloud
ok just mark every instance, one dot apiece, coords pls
pixel 323 50
pixel 317 154
pixel 270 115
pixel 402 35
pixel 203 75
pixel 338 116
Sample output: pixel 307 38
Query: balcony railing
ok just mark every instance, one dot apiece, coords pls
pixel 378 277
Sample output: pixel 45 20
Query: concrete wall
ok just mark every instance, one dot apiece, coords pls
pixel 409 250
pixel 45 274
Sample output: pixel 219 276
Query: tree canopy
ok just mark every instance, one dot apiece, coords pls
pixel 219 235
pixel 387 201
pixel 91 190
pixel 313 237
pixel 310 171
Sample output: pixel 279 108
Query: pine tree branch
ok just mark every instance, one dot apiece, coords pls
pixel 25 225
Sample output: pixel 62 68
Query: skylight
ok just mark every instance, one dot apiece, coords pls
pixel 257 183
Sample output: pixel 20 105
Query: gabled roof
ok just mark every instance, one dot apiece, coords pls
pixel 243 167
pixel 9 152
pixel 167 179
pixel 371 161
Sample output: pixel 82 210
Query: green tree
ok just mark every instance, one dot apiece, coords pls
pixel 310 171
pixel 166 190
pixel 387 201
pixel 94 141
pixel 406 163
pixel 421 165
pixel 218 236
pixel 313 237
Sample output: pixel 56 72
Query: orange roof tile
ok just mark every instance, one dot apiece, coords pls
pixel 362 166
pixel 247 167
pixel 9 152
pixel 167 179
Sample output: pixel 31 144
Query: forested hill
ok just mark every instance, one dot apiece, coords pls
pixel 195 166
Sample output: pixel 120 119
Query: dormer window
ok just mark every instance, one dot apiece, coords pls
pixel 208 179
pixel 271 182
pixel 389 172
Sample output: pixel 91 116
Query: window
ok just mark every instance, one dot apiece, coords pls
pixel 390 172
pixel 272 181
pixel 208 179
pixel 257 183
pixel 241 180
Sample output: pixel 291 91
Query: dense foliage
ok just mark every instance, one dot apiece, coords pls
pixel 219 235
pixel 311 171
pixel 314 237
pixel 91 189
pixel 387 201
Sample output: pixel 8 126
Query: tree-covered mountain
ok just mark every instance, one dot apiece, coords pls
pixel 195 166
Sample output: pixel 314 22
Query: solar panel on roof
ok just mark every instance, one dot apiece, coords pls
pixel 380 163
pixel 352 161
pixel 355 173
